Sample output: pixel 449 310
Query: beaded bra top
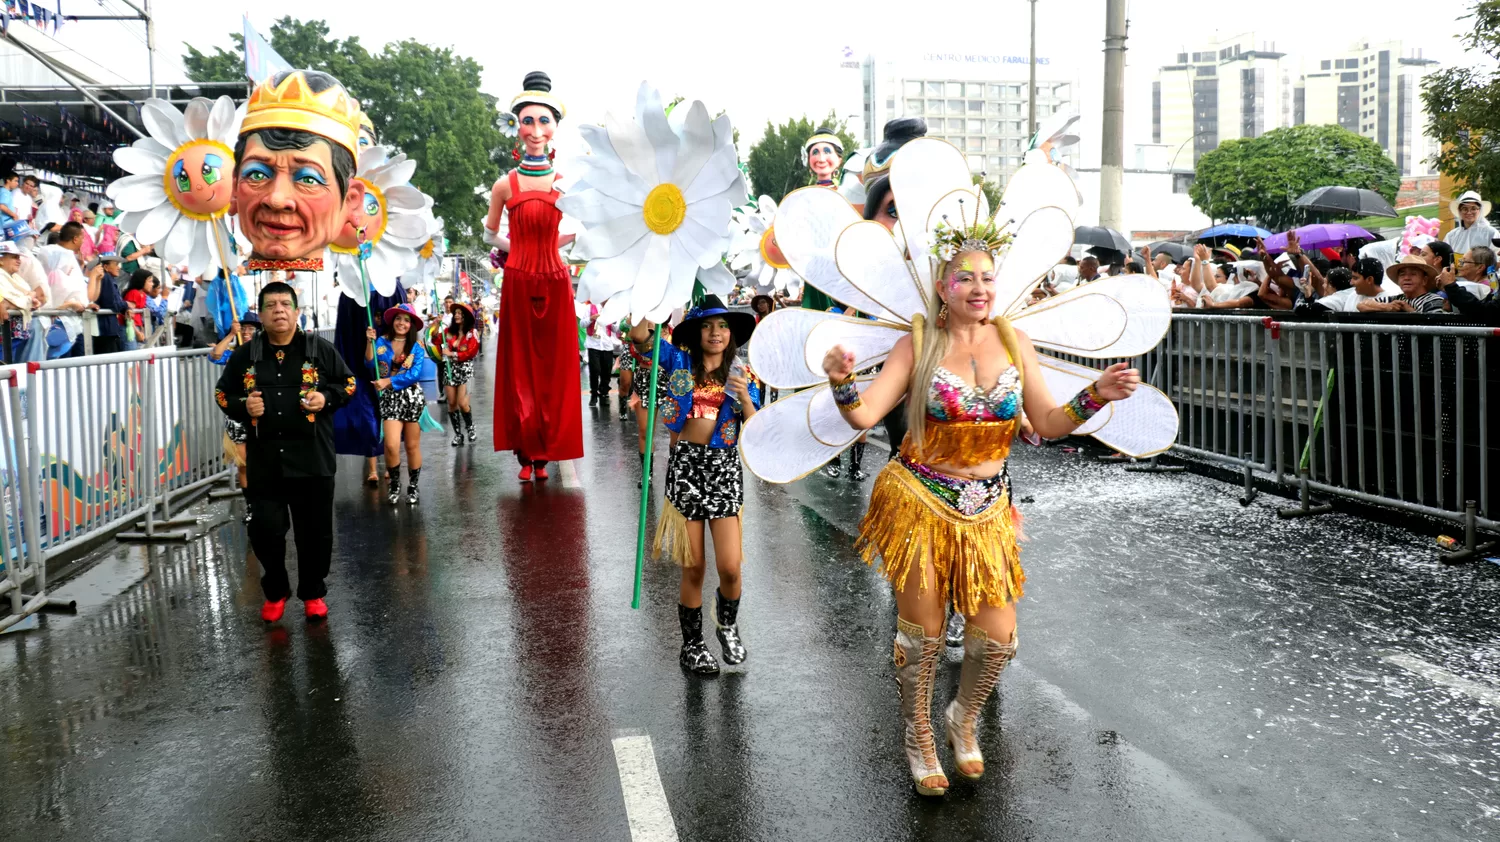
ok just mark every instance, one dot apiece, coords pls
pixel 951 399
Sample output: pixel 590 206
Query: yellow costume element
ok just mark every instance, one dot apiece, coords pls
pixel 331 113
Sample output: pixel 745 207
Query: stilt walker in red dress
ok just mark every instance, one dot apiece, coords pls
pixel 538 399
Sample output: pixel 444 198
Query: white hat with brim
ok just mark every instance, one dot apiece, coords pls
pixel 1411 260
pixel 7 247
pixel 1470 198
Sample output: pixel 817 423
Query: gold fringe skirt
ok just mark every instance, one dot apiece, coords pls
pixel 975 558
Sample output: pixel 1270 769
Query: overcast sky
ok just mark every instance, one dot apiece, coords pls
pixel 772 58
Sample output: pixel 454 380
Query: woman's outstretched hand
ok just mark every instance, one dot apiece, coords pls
pixel 1118 382
pixel 838 363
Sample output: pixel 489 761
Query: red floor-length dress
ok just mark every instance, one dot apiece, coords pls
pixel 538 404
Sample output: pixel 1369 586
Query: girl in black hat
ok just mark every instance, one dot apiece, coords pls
pixel 711 394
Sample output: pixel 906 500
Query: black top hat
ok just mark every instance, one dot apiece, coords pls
pixel 897 133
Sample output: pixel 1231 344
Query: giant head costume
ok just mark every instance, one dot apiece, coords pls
pixel 824 154
pixel 294 185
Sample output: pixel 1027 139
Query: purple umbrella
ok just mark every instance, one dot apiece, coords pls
pixel 1318 236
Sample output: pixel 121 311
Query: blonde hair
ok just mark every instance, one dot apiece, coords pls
pixel 929 345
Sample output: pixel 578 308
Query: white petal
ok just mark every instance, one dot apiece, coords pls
pixel 405 197
pixel 697 145
pixel 613 277
pixel 406 226
pixel 153 229
pixel 372 158
pixel 700 241
pixel 137 192
pixel 611 238
pixel 134 159
pixel 634 150
pixel 178 245
pixel 223 124
pixel 717 175
pixel 1041 241
pixel 200 255
pixel 594 207
pixel 652 279
pixel 606 171
pixel 382 270
pixel 664 142
pixel 870 262
pixel 717 279
pixel 195 120
pixel 396 173
pixel 796 435
pixel 164 122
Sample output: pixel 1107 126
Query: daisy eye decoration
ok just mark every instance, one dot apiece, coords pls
pixel 181 180
pixel 508 125
pixel 655 198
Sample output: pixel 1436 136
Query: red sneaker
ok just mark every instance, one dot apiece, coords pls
pixel 541 473
pixel 316 609
pixel 525 475
pixel 272 611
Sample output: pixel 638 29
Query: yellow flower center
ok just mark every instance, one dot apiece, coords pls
pixel 665 209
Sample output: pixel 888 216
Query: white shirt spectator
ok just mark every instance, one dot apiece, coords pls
pixel 1348 300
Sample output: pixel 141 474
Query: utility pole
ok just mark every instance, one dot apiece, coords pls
pixel 1112 162
pixel 150 46
pixel 1031 95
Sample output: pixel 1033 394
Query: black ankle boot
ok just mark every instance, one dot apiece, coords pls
pixel 393 477
pixel 856 462
pixel 695 656
pixel 412 495
pixel 834 470
pixel 726 619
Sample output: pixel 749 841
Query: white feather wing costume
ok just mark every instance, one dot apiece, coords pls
pixel 863 265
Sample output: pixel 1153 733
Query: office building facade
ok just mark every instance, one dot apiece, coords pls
pixel 1237 88
pixel 1373 90
pixel 978 102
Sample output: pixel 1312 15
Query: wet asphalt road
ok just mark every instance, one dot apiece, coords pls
pixel 1189 670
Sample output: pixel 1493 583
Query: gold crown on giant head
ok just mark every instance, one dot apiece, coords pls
pixel 293 104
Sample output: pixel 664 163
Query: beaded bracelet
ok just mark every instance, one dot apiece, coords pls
pixel 1084 405
pixel 846 395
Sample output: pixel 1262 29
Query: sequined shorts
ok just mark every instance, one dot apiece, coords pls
pixel 965 496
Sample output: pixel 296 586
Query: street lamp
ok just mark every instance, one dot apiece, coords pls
pixel 1031 94
pixel 1172 167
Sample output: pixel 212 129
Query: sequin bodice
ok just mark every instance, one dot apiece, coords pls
pixel 951 399
pixel 707 401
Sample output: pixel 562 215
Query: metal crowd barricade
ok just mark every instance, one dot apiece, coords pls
pixel 95 444
pixel 1391 414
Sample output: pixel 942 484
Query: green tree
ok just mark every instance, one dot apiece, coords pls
pixel 990 189
pixel 1462 102
pixel 423 101
pixel 775 161
pixel 1259 178
pixel 218 66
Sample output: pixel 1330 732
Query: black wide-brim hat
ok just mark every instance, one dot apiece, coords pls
pixel 741 325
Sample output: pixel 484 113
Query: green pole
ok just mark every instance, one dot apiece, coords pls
pixel 640 537
pixel 1317 424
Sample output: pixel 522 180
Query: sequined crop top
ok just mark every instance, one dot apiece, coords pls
pixel 707 401
pixel 951 399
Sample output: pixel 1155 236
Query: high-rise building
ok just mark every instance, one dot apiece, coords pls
pixel 1234 88
pixel 1371 89
pixel 978 102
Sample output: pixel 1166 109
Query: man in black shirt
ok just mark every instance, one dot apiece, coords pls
pixel 285 385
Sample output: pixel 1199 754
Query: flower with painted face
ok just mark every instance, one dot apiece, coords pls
pixel 180 190
pixel 392 223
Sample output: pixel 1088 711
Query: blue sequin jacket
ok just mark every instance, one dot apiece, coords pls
pixel 677 367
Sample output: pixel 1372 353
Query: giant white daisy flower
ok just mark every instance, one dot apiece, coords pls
pixel 655 203
pixel 863 265
pixel 396 221
pixel 182 177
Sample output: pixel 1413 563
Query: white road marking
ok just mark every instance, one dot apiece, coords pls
pixel 1437 675
pixel 569 475
pixel 645 801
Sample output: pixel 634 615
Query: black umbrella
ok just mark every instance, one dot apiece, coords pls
pixel 1105 238
pixel 1346 200
pixel 1177 251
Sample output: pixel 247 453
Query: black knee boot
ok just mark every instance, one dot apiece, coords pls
pixel 412 495
pixel 458 426
pixel 695 656
pixel 834 469
pixel 393 477
pixel 469 422
pixel 726 622
pixel 856 462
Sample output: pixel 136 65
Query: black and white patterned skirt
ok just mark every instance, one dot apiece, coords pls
pixel 457 374
pixel 404 405
pixel 238 433
pixel 705 483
